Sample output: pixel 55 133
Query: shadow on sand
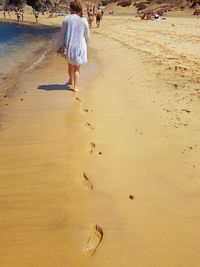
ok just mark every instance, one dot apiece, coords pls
pixel 55 87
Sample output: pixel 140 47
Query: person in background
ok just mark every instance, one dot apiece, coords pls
pixel 73 38
pixel 22 14
pixel 90 17
pixel 50 14
pixel 18 15
pixel 98 17
pixel 36 13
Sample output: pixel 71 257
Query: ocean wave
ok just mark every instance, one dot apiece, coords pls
pixel 40 59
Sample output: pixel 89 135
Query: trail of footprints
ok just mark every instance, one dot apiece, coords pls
pixel 87 124
pixel 96 235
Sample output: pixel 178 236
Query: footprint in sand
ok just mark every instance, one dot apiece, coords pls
pixel 94 241
pixel 87 110
pixel 92 147
pixel 78 99
pixel 87 181
pixel 88 125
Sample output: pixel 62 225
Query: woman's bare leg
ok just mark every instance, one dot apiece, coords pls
pixel 71 73
pixel 76 76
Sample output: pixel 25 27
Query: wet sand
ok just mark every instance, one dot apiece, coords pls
pixel 109 176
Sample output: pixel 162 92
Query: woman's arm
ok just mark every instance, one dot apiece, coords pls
pixel 61 38
pixel 86 31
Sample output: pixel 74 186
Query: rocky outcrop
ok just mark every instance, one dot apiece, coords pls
pixel 62 5
pixel 36 4
pixel 164 5
pixel 155 5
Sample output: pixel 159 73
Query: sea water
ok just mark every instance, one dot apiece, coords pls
pixel 23 46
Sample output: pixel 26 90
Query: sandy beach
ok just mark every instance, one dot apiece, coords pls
pixel 108 176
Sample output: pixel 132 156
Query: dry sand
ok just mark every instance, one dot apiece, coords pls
pixel 109 176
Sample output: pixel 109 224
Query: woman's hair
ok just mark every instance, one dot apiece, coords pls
pixel 76 6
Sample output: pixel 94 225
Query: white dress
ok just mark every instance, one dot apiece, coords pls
pixel 74 35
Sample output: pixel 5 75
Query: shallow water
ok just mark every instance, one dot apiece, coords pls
pixel 22 46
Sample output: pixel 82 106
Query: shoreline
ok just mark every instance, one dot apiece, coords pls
pixel 29 22
pixel 11 78
pixel 31 60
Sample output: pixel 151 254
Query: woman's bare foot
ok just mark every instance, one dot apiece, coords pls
pixel 69 82
pixel 76 90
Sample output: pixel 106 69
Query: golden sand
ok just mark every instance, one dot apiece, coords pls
pixel 108 176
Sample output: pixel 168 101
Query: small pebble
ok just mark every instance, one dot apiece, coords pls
pixel 100 153
pixel 131 197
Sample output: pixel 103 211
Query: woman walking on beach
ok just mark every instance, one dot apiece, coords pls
pixel 73 37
